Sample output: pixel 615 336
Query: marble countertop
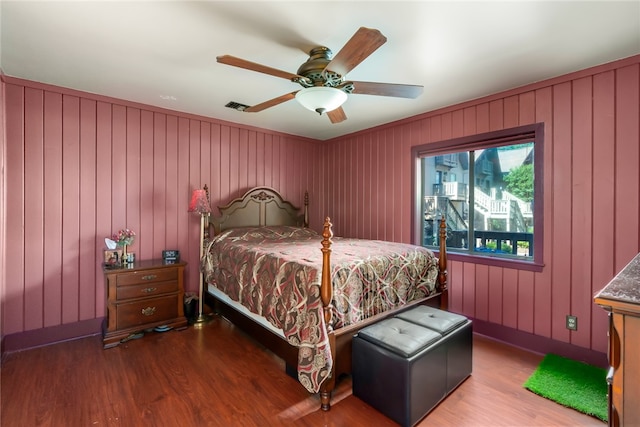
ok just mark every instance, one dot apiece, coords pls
pixel 625 287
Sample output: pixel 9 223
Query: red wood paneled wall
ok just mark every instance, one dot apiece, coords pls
pixel 79 168
pixel 591 196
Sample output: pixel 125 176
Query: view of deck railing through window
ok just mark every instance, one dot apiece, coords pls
pixel 486 196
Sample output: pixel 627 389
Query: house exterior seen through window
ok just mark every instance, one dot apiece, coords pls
pixel 488 189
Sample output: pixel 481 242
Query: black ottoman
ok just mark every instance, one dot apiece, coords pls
pixel 405 365
pixel 459 345
pixel 397 367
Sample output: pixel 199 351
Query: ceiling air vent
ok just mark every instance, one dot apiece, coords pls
pixel 236 106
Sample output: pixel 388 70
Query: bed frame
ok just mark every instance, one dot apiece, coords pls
pixel 264 206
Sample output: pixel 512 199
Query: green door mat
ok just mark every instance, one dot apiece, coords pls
pixel 571 383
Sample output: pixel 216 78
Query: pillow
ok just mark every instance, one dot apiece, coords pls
pixel 275 232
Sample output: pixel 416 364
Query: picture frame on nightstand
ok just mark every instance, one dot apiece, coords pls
pixel 113 256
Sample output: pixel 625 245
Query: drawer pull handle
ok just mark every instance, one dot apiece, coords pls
pixel 149 290
pixel 149 311
pixel 149 277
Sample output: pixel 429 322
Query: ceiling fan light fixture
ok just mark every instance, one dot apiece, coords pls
pixel 321 99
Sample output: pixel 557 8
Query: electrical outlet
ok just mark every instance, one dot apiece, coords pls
pixel 572 322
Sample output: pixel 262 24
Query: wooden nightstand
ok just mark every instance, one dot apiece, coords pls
pixel 142 295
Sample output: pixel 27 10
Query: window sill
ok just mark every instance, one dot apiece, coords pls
pixel 495 261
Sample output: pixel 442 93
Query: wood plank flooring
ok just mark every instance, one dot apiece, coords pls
pixel 217 376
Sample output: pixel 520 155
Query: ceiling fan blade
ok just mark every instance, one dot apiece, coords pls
pixel 248 65
pixel 387 89
pixel 271 103
pixel 362 44
pixel 337 115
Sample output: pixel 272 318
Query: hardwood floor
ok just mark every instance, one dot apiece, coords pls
pixel 217 376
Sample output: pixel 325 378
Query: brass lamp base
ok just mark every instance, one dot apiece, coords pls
pixel 202 319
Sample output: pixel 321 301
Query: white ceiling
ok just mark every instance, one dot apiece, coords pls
pixel 163 53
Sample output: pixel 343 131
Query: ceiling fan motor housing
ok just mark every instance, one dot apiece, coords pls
pixel 314 70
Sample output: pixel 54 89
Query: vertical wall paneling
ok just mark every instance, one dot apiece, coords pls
pixel 511 111
pixel 526 310
pixel 603 192
pixel 455 280
pixel 542 280
pixel 225 166
pixel 89 259
pixel 527 108
pixel 132 182
pixel 133 176
pixel 495 295
pixel 159 187
pixel 186 225
pixel 172 202
pixel 14 293
pixel 627 179
pixel 194 147
pixel 469 121
pixel 214 172
pixel 469 289
pixel 205 155
pixel 278 161
pixel 260 159
pixel 234 162
pixel 34 201
pixel 119 169
pixel 482 118
pixel 268 161
pixel 253 159
pixel 367 155
pixel 481 294
pixel 496 114
pixel 53 209
pixel 103 192
pixel 561 208
pixel 146 237
pixel 71 207
pixel 510 298
pixel 243 157
pixel 581 182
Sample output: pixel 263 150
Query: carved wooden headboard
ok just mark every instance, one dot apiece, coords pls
pixel 260 206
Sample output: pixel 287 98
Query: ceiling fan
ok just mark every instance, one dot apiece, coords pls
pixel 322 77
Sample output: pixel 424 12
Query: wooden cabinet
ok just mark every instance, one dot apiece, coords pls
pixel 141 296
pixel 621 298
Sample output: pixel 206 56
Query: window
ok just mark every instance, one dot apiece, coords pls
pixel 489 190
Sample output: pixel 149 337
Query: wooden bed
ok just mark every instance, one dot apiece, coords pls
pixel 264 207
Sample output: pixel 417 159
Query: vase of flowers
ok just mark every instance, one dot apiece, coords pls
pixel 123 238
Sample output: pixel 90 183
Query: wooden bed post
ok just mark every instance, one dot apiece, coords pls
pixel 326 288
pixel 326 294
pixel 442 266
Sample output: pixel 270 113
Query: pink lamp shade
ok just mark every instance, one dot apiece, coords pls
pixel 199 202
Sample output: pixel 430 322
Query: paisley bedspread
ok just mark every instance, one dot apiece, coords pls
pixel 276 271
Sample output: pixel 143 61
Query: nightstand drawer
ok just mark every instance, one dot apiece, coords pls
pixel 147 311
pixel 147 276
pixel 146 290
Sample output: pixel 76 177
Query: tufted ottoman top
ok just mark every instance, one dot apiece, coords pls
pixel 433 318
pixel 399 336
